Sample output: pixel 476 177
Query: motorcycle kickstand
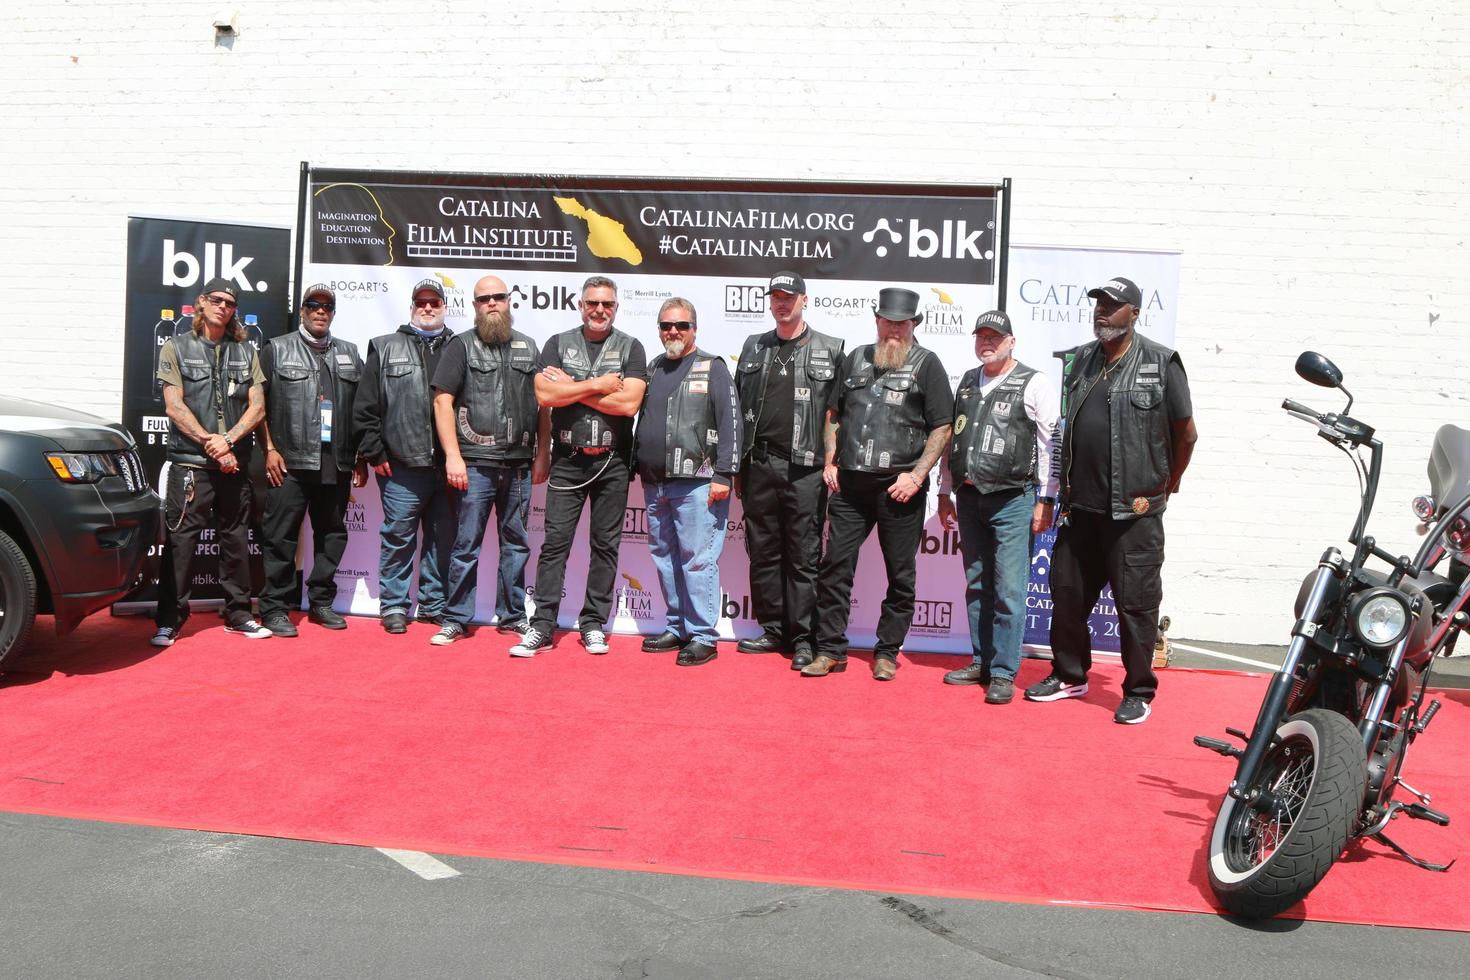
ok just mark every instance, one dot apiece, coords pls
pixel 1417 862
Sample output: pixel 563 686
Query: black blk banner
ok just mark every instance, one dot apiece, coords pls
pixel 879 232
pixel 169 259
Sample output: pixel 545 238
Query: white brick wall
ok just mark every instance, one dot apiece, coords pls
pixel 1308 159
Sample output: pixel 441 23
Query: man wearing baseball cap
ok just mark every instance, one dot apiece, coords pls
pixel 1005 415
pixel 1128 438
pixel 785 377
pixel 394 414
pixel 311 460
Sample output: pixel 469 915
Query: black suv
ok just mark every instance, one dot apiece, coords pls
pixel 77 517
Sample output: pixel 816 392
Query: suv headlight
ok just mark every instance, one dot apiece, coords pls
pixel 82 467
pixel 1380 617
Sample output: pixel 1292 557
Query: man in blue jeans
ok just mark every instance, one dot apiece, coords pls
pixel 486 413
pixel 688 447
pixel 1005 417
pixel 394 411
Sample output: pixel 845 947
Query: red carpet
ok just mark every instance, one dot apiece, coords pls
pixel 737 769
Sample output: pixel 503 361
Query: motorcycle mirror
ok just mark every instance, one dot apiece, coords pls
pixel 1313 367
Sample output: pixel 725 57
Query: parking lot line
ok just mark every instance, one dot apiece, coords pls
pixel 426 867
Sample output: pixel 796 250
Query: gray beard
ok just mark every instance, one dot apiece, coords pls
pixel 493 328
pixel 1108 334
pixel 675 348
pixel 889 354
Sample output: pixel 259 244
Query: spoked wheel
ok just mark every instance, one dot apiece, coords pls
pixel 1267 854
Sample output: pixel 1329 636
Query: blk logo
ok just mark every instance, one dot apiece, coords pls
pixel 952 240
pixel 556 299
pixel 745 299
pixel 184 269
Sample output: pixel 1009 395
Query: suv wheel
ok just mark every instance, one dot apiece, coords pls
pixel 17 596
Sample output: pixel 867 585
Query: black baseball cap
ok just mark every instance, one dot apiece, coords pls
pixel 1119 290
pixel 994 320
pixel 786 282
pixel 433 284
pixel 219 284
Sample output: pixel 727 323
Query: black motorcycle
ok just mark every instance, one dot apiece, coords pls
pixel 1323 762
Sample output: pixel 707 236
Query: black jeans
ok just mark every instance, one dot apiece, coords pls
pixel 860 502
pixel 1092 550
pixel 298 495
pixel 602 479
pixel 784 507
pixel 194 500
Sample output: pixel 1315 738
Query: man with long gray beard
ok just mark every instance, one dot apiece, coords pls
pixel 1128 438
pixel 887 424
pixel 395 414
pixel 486 413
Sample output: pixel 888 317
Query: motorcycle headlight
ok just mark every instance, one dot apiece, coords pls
pixel 1424 507
pixel 1380 617
pixel 82 467
pixel 1458 535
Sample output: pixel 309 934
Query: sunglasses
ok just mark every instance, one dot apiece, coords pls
pixel 492 297
pixel 224 301
pixel 606 304
pixel 683 326
pixel 319 304
pixel 433 301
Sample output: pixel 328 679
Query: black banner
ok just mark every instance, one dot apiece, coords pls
pixel 880 232
pixel 169 260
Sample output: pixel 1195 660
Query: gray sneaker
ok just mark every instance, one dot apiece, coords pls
pixel 447 634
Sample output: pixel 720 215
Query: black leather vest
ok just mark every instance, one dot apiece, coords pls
pixel 293 401
pixel 212 389
pixel 882 428
pixel 691 439
pixel 994 444
pixel 1141 438
pixel 495 411
pixel 815 367
pixel 408 402
pixel 578 425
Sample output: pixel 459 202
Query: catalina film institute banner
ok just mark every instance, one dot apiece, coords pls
pixel 372 235
pixel 169 259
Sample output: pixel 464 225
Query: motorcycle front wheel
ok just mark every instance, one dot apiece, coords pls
pixel 1266 855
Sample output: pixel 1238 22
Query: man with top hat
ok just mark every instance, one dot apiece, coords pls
pixel 1000 468
pixel 311 460
pixel 486 411
pixel 211 381
pixel 589 389
pixel 887 424
pixel 688 445
pixel 785 377
pixel 394 414
pixel 1127 439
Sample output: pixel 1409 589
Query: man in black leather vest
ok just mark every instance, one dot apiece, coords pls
pixel 394 416
pixel 1005 415
pixel 1127 439
pixel 311 460
pixel 589 391
pixel 785 377
pixel 887 423
pixel 687 447
pixel 212 392
pixel 486 412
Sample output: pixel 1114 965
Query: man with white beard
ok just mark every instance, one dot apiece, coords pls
pixel 887 424
pixel 1128 437
pixel 486 414
pixel 688 448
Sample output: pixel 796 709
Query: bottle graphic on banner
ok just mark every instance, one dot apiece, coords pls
pixel 186 321
pixel 162 331
pixel 253 335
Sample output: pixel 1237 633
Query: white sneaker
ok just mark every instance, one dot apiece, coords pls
pixel 595 641
pixel 249 629
pixel 165 636
pixel 447 634
pixel 533 641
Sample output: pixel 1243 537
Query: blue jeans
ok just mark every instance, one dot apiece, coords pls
pixel 995 545
pixel 413 496
pixel 508 490
pixel 686 534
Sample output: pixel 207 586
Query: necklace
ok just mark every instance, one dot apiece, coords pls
pixel 784 362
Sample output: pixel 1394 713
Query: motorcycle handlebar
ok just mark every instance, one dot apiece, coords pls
pixel 1297 408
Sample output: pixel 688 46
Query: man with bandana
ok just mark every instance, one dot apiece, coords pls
pixel 486 413
pixel 311 460
pixel 1128 437
pixel 394 412
pixel 887 423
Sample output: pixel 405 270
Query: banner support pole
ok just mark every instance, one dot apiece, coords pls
pixel 299 261
pixel 1004 244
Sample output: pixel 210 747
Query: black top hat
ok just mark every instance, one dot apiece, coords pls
pixel 898 304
